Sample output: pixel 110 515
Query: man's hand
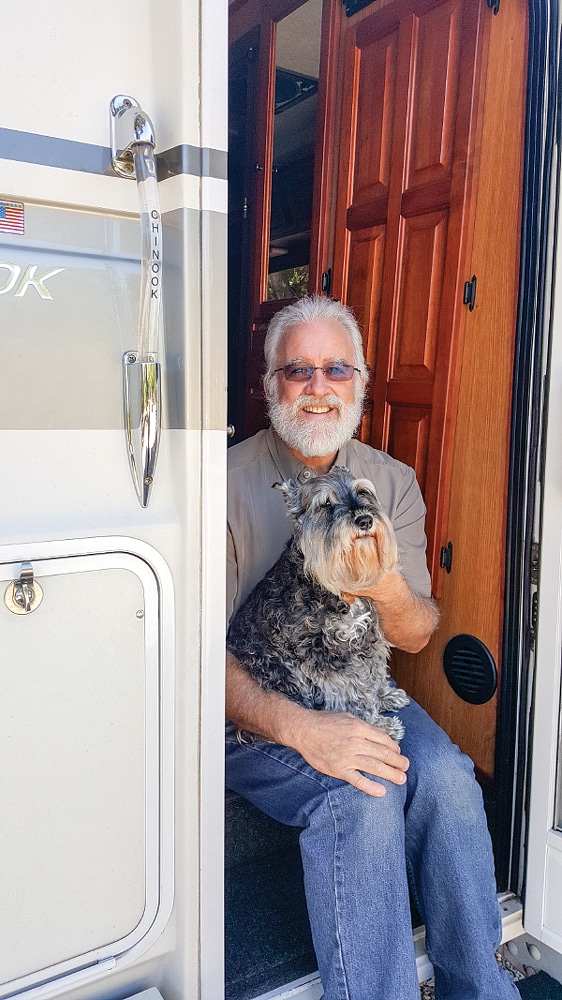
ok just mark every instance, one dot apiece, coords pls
pixel 407 619
pixel 341 746
pixel 335 743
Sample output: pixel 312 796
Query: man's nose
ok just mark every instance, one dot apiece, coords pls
pixel 317 383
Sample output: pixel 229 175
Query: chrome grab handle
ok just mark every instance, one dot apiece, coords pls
pixel 132 146
pixel 142 420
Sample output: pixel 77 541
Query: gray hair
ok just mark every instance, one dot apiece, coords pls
pixel 309 310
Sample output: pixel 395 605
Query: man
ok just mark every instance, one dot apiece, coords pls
pixel 373 815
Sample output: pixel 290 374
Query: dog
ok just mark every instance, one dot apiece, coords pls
pixel 296 633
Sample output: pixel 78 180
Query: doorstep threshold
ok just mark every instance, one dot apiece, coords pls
pixel 310 987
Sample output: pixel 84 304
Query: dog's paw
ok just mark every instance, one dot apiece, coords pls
pixel 394 728
pixel 396 699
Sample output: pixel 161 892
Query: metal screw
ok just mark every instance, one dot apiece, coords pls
pixel 140 613
pixel 131 358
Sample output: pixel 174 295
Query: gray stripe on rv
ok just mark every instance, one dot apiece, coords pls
pixel 49 151
pixel 69 297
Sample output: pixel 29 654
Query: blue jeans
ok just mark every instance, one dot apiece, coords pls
pixel 359 853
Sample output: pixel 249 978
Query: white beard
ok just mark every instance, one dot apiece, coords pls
pixel 310 437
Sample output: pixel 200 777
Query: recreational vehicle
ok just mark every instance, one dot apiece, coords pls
pixel 172 172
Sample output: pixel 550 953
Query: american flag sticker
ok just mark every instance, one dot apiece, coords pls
pixel 12 217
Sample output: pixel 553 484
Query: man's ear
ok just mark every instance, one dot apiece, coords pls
pixel 291 495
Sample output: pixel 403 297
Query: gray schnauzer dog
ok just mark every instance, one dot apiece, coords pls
pixel 296 634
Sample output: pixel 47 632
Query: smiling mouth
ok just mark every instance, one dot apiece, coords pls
pixel 317 409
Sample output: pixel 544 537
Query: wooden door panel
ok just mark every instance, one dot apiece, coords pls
pixel 376 79
pixel 366 252
pixel 435 93
pixel 418 296
pixel 409 436
pixel 363 294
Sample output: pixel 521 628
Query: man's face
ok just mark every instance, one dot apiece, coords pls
pixel 317 417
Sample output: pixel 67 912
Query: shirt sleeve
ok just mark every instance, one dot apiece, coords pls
pixel 409 526
pixel 231 574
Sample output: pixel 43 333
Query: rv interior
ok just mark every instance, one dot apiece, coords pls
pixel 377 155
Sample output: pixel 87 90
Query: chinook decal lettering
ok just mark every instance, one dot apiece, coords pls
pixel 28 279
pixel 155 267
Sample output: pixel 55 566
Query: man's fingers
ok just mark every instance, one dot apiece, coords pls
pixel 373 767
pixel 345 747
pixel 366 785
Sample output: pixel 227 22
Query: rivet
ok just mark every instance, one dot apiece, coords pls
pixel 140 613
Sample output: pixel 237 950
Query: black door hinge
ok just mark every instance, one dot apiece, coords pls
pixel 494 6
pixel 469 296
pixel 446 557
pixel 326 285
pixel 534 616
pixel 535 563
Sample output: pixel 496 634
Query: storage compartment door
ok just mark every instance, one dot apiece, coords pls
pixel 79 766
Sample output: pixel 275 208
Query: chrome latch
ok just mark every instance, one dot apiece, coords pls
pixel 24 595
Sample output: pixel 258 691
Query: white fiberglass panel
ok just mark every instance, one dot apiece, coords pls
pixel 79 766
pixel 553 881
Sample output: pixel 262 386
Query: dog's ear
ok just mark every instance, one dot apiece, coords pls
pixel 291 495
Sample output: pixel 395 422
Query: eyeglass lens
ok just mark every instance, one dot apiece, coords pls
pixel 332 373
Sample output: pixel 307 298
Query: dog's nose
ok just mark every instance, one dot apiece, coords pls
pixel 364 521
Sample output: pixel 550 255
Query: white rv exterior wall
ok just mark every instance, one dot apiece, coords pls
pixel 542 911
pixel 63 485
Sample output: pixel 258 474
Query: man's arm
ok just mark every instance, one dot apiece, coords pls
pixel 334 743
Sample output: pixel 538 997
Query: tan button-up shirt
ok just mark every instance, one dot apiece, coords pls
pixel 259 526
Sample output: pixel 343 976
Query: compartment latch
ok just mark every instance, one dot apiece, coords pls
pixel 24 595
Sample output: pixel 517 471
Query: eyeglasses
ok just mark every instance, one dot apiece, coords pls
pixel 296 372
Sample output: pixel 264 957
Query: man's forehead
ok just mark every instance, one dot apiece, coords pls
pixel 299 339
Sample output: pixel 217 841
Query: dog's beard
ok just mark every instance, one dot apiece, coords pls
pixel 351 566
pixel 314 438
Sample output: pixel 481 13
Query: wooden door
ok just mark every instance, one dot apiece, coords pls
pixel 429 193
pixel 412 97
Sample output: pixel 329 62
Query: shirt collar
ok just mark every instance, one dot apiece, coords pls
pixel 290 467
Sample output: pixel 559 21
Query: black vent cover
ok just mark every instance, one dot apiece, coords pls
pixel 470 669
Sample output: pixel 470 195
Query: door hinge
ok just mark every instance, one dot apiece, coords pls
pixel 326 285
pixel 535 562
pixel 494 6
pixel 534 615
pixel 446 557
pixel 469 295
pixel 534 581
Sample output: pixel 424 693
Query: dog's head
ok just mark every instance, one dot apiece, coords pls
pixel 347 541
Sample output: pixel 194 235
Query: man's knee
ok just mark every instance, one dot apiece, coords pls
pixel 444 777
pixel 355 815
